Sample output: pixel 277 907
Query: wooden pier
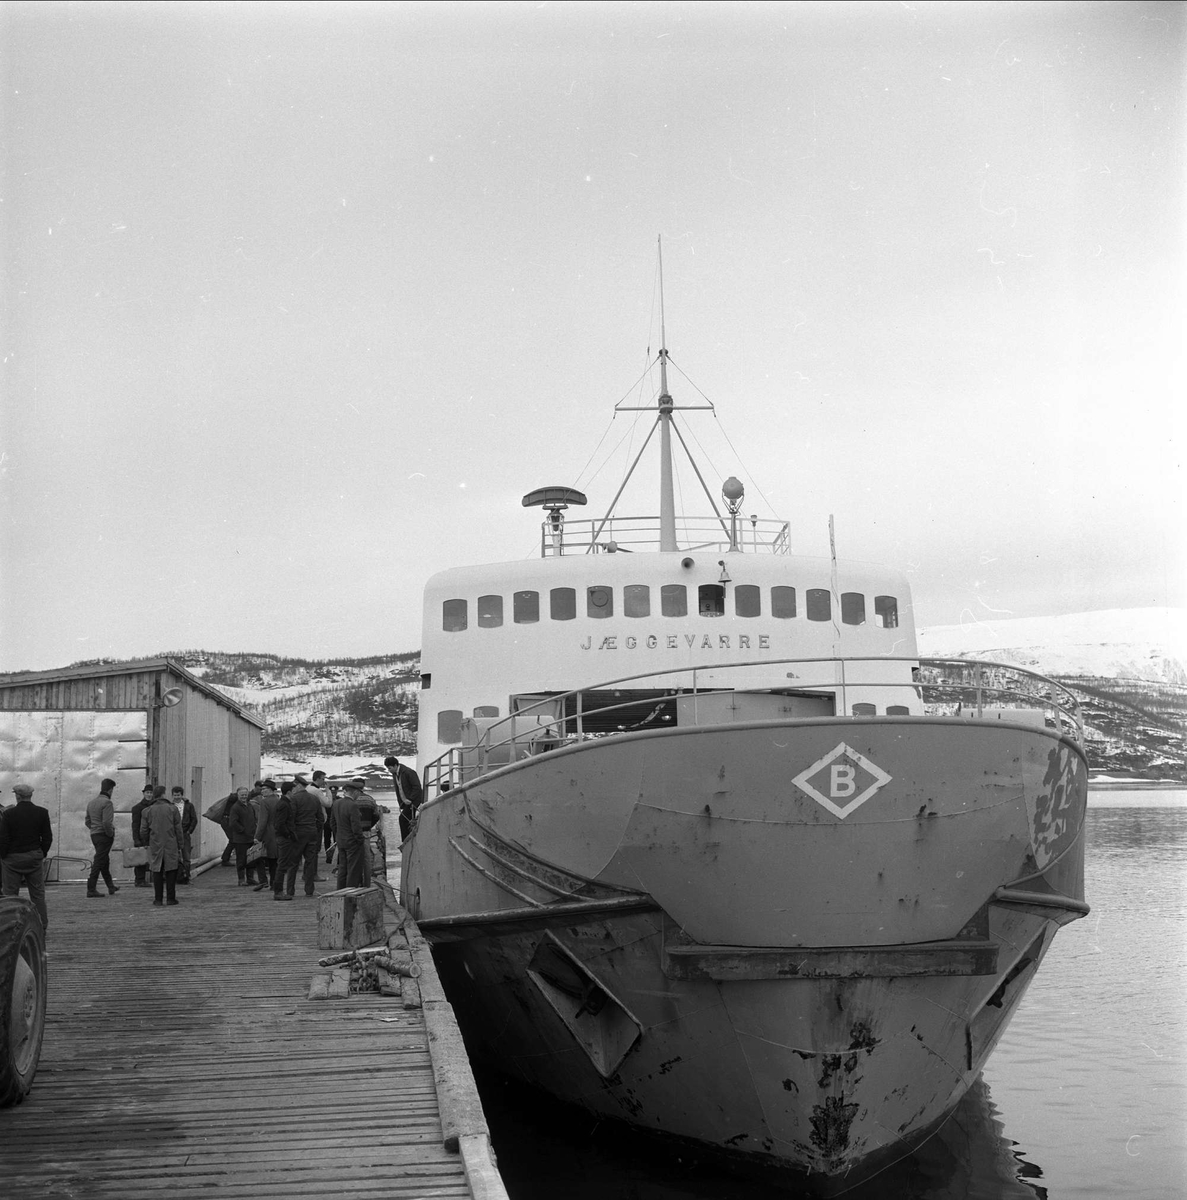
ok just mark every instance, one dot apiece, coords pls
pixel 183 1057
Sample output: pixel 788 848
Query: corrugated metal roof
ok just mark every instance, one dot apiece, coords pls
pixel 131 667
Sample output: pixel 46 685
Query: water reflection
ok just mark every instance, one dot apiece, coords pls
pixel 546 1150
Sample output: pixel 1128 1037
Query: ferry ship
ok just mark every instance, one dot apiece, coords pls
pixel 709 849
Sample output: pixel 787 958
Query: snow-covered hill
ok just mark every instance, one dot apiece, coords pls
pixel 1130 643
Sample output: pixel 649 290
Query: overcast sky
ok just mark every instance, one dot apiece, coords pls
pixel 300 300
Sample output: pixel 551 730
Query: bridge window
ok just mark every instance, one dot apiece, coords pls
pixel 783 602
pixel 636 600
pixel 526 607
pixel 748 600
pixel 599 601
pixel 819 605
pixel 562 604
pixel 490 612
pixel 673 600
pixel 864 710
pixel 897 710
pixel 711 600
pixel 453 615
pixel 853 608
pixel 449 725
pixel 487 710
pixel 886 612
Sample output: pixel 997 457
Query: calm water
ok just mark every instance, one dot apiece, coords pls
pixel 1085 1096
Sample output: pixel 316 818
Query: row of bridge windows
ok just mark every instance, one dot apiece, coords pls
pixel 636 601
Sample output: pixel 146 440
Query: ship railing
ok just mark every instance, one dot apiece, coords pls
pixel 627 535
pixel 931 687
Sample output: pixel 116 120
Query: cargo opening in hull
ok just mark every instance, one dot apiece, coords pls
pixel 600 1024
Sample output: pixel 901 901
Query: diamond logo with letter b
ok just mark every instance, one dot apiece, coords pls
pixel 842 780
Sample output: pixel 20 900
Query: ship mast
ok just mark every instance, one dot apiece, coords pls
pixel 666 407
pixel 667 498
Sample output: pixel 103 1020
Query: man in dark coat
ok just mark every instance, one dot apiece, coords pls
pixel 138 838
pixel 349 834
pixel 100 823
pixel 189 822
pixel 299 820
pixel 25 839
pixel 409 792
pixel 241 826
pixel 265 806
pixel 161 823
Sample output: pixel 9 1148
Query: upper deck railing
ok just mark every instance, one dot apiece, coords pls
pixel 637 534
pixel 936 687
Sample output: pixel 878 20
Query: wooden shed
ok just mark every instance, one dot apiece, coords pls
pixel 147 721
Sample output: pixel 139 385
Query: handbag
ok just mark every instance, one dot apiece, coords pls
pixel 135 856
pixel 255 852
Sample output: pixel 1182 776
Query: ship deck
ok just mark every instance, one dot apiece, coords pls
pixel 181 1055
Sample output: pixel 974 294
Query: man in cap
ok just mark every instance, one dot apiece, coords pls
pixel 161 823
pixel 25 839
pixel 349 834
pixel 139 838
pixel 100 822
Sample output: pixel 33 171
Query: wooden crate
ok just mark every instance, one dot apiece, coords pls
pixel 350 918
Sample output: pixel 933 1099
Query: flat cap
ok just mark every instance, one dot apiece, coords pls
pixel 23 789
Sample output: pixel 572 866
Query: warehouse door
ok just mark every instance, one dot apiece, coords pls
pixel 64 756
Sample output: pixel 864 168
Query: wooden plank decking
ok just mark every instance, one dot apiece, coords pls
pixel 181 1056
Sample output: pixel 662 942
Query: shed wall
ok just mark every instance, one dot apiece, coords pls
pixel 63 736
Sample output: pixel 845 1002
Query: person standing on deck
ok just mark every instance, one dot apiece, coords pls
pixel 189 822
pixel 161 823
pixel 409 791
pixel 321 793
pixel 138 838
pixel 299 821
pixel 348 832
pixel 266 805
pixel 374 847
pixel 241 832
pixel 100 822
pixel 25 839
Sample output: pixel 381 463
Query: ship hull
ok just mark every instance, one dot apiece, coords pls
pixel 717 934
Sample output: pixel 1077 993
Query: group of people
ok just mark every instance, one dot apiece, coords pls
pixel 272 832
pixel 162 826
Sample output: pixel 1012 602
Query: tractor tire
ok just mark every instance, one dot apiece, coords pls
pixel 23 979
